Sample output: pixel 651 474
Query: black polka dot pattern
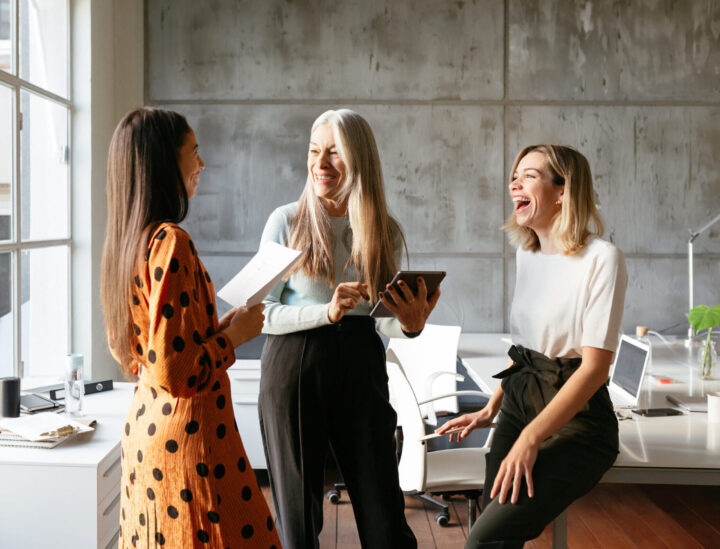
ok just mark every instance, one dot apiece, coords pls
pixel 179 452
pixel 202 469
pixel 178 344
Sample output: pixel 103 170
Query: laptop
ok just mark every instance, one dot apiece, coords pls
pixel 628 371
pixel 689 403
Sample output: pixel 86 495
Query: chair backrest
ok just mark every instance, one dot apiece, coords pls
pixel 435 350
pixel 413 460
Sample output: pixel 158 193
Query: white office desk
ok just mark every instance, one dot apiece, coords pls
pixel 67 496
pixel 653 450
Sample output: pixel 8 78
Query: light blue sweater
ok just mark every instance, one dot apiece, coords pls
pixel 302 303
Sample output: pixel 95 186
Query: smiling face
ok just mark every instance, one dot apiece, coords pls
pixel 536 199
pixel 190 163
pixel 325 166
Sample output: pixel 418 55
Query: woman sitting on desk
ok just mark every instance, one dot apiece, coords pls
pixel 185 481
pixel 323 381
pixel 557 434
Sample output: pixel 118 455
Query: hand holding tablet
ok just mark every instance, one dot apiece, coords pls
pixel 409 278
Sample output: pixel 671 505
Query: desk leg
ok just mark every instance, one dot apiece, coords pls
pixel 559 531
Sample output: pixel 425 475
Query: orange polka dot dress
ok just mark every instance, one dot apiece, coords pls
pixel 186 480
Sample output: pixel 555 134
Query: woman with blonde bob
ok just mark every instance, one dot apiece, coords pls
pixel 324 385
pixel 557 433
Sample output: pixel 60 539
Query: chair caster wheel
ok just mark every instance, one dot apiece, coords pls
pixel 442 519
pixel 333 496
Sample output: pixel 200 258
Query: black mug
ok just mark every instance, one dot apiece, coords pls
pixel 9 396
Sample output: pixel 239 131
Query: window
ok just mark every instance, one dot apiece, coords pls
pixel 35 236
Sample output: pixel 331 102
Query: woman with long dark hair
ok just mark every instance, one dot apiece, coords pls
pixel 186 480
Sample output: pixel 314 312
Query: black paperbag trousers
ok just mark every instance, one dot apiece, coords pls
pixel 569 463
pixel 326 389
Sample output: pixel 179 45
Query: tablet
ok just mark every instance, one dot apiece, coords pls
pixel 432 281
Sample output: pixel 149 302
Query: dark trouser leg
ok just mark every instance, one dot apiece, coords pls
pixel 295 456
pixel 362 437
pixel 564 471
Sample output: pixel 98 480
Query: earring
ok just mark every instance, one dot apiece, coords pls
pixel 558 202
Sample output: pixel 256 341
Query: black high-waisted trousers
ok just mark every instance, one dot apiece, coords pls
pixel 323 389
pixel 569 463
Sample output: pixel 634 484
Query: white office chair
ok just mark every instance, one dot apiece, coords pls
pixel 447 472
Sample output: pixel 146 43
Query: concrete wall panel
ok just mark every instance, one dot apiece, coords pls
pixel 256 161
pixel 653 167
pixel 599 50
pixel 228 49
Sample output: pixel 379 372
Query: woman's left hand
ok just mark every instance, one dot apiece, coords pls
pixel 411 310
pixel 517 465
pixel 226 318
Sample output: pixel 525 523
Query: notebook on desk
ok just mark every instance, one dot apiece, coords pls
pixel 628 371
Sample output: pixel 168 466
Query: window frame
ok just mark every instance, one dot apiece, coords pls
pixel 16 245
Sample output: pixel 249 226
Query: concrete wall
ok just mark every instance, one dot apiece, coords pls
pixel 453 90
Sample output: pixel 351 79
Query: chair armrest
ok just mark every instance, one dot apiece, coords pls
pixel 457 393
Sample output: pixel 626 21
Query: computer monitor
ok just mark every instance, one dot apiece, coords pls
pixel 628 372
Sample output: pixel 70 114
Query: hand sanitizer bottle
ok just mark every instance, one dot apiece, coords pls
pixel 74 385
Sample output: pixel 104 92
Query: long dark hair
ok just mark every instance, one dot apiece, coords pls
pixel 144 188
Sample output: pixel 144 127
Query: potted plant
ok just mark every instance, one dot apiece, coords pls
pixel 703 317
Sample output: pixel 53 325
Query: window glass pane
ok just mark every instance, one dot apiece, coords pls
pixel 6 317
pixel 43 41
pixel 44 310
pixel 6 51
pixel 44 159
pixel 6 161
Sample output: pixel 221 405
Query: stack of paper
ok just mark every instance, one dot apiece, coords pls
pixel 43 430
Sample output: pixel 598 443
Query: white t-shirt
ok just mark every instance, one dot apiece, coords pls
pixel 563 303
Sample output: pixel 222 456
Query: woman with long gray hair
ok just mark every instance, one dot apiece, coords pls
pixel 324 385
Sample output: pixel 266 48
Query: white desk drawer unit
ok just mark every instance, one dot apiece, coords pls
pixel 244 390
pixel 69 496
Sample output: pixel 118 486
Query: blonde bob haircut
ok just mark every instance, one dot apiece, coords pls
pixel 374 231
pixel 578 218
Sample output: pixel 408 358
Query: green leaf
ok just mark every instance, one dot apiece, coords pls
pixel 703 317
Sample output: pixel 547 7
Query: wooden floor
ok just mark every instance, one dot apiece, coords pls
pixel 615 516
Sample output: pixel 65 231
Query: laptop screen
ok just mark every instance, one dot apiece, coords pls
pixel 629 367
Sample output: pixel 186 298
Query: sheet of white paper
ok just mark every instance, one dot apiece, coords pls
pixel 261 274
pixel 33 427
